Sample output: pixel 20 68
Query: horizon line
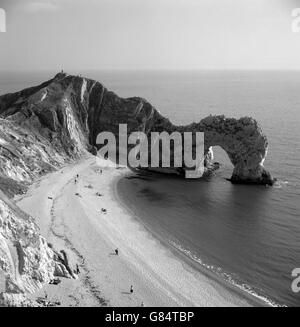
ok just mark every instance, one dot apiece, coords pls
pixel 151 70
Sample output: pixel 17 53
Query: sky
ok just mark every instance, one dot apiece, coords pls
pixel 149 35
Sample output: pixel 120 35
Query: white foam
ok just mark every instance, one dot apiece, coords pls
pixel 243 287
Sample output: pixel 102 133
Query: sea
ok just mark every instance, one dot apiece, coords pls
pixel 247 236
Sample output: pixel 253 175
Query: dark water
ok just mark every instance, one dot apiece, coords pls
pixel 248 235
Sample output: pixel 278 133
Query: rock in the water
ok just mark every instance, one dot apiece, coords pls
pixel 243 141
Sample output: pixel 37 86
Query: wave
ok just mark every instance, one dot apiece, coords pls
pixel 280 184
pixel 234 281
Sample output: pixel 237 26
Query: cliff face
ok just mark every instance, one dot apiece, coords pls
pixel 45 126
pixel 26 260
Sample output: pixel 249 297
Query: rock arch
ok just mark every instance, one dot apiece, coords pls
pixel 244 142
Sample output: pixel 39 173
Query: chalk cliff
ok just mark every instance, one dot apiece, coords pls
pixel 27 262
pixel 48 125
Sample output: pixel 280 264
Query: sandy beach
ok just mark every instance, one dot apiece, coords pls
pixel 70 216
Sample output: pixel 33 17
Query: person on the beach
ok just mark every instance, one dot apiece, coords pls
pixel 117 251
pixel 142 304
pixel 131 289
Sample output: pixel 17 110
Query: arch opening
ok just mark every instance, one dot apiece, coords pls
pixel 220 158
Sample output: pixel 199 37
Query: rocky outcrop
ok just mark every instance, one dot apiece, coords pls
pixel 244 143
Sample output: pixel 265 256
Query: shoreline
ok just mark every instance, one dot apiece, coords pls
pixel 188 263
pixel 75 222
